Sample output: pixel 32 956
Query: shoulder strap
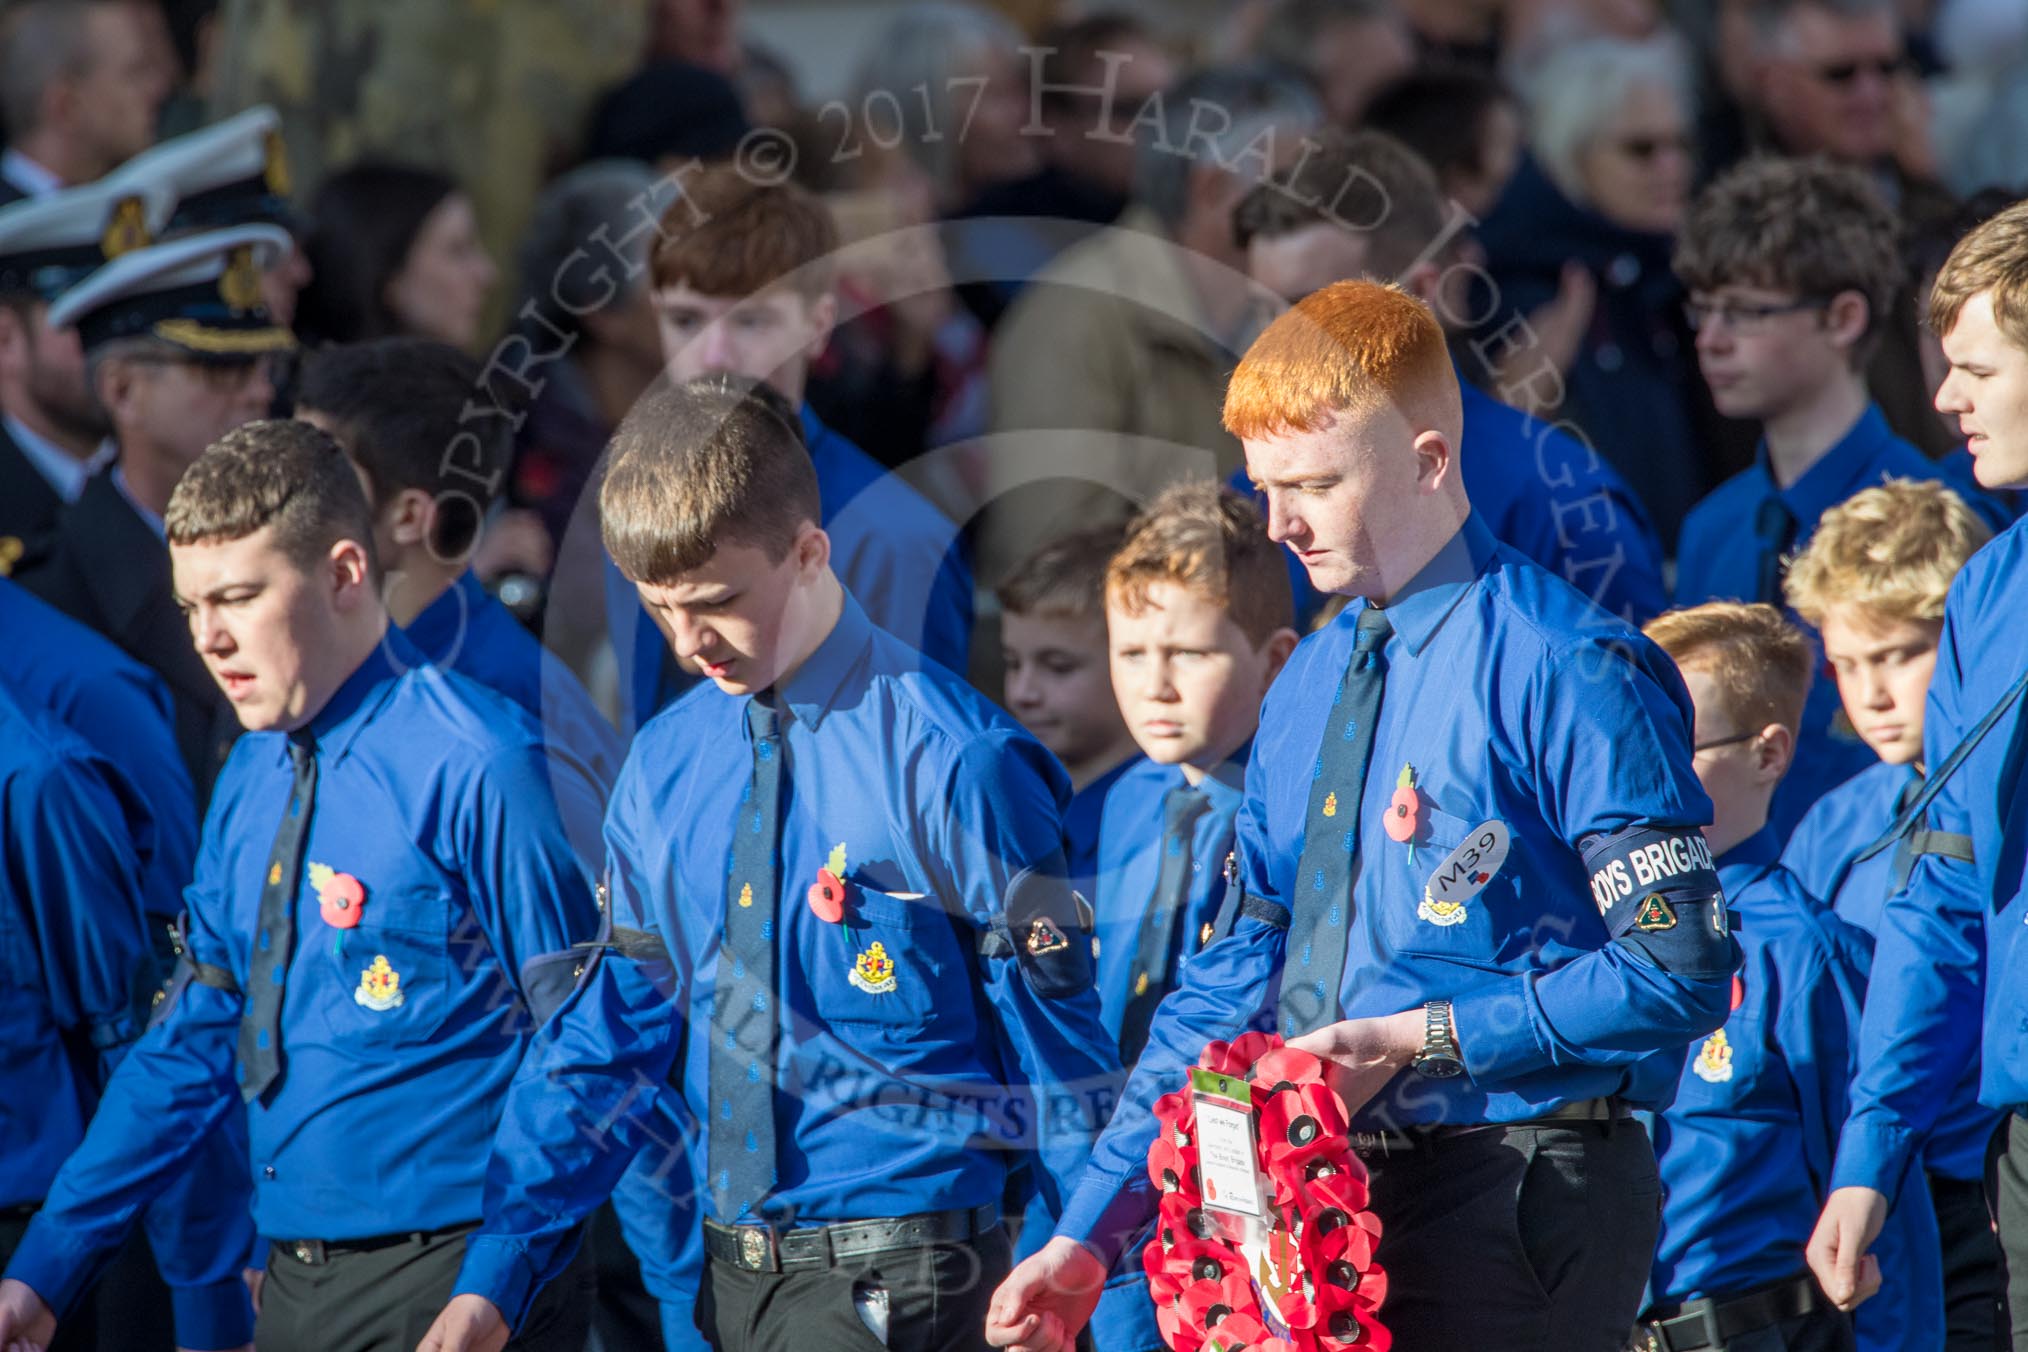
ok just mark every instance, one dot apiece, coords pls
pixel 1941 774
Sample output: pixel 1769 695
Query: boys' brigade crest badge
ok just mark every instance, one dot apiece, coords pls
pixel 379 986
pixel 873 970
pixel 1714 1060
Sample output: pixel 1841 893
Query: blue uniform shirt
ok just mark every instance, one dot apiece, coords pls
pixel 1130 862
pixel 1083 821
pixel 1820 853
pixel 1957 928
pixel 76 970
pixel 122 709
pixel 943 818
pixel 468 631
pixel 1745 1149
pixel 1552 499
pixel 1513 703
pixel 399 1036
pixel 892 548
pixel 1717 559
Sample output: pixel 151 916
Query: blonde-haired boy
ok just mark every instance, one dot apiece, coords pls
pixel 1745 1146
pixel 1873 582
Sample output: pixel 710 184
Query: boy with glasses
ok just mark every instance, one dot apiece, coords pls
pixel 1792 268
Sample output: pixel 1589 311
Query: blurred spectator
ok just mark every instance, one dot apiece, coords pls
pixel 1090 79
pixel 81 83
pixel 1985 44
pixel 1118 353
pixel 1466 126
pixel 1833 79
pixel 393 250
pixel 1580 244
pixel 193 33
pixel 666 114
pixel 1456 32
pixel 767 87
pixel 700 32
pixel 1531 31
pixel 947 80
pixel 590 301
pixel 1350 49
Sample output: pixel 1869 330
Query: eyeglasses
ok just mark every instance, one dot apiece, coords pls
pixel 1741 317
pixel 1844 73
pixel 1733 740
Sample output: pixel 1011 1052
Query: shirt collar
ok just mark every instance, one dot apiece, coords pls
pixel 65 472
pixel 154 522
pixel 816 685
pixel 439 626
pixel 1226 785
pixel 352 706
pixel 1839 472
pixel 1420 608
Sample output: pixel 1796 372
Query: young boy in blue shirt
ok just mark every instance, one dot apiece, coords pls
pixel 1792 267
pixel 1200 620
pixel 1745 1148
pixel 1873 583
pixel 1053 649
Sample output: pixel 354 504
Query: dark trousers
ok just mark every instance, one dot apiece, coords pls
pixel 933 1300
pixel 625 1317
pixel 2007 1198
pixel 384 1300
pixel 127 1310
pixel 1971 1267
pixel 1517 1237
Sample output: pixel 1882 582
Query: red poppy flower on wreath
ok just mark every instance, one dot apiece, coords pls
pixel 1299 1117
pixel 1173 1170
pixel 1207 1304
pixel 1328 1158
pixel 1286 1067
pixel 1178 1122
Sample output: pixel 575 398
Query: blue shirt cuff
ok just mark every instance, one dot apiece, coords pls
pixel 679 1324
pixel 1495 1029
pixel 213 1317
pixel 1104 1213
pixel 502 1272
pixel 1873 1155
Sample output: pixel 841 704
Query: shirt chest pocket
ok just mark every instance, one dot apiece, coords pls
pixel 1726 1074
pixel 891 965
pixel 1441 888
pixel 389 980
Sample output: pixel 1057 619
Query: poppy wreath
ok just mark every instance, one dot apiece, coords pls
pixel 1315 1287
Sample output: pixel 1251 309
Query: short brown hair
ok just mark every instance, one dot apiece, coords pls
pixel 717 460
pixel 1205 538
pixel 729 235
pixel 1367 183
pixel 274 472
pixel 1890 550
pixel 1761 663
pixel 1349 347
pixel 1993 257
pixel 1065 577
pixel 1808 226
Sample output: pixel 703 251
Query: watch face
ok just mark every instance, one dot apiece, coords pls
pixel 1439 1066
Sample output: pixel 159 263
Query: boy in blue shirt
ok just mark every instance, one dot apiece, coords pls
pixel 1873 583
pixel 1792 267
pixel 842 927
pixel 396 405
pixel 1745 1148
pixel 1199 619
pixel 1058 682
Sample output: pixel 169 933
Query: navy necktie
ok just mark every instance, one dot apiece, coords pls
pixel 1320 900
pixel 1775 528
pixel 1154 964
pixel 745 1025
pixel 260 1024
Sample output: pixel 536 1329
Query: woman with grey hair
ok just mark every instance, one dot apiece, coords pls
pixel 945 82
pixel 1580 245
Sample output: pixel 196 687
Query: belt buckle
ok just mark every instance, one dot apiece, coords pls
pixel 308 1252
pixel 757 1248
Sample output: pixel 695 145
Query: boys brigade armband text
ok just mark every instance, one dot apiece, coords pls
pixel 1657 890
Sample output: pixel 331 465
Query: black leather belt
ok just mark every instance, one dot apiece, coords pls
pixel 1716 1321
pixel 762 1248
pixel 1606 1110
pixel 317 1252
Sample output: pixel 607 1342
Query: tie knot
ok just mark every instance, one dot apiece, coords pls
pixel 763 720
pixel 1180 806
pixel 1373 629
pixel 302 749
pixel 1773 519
